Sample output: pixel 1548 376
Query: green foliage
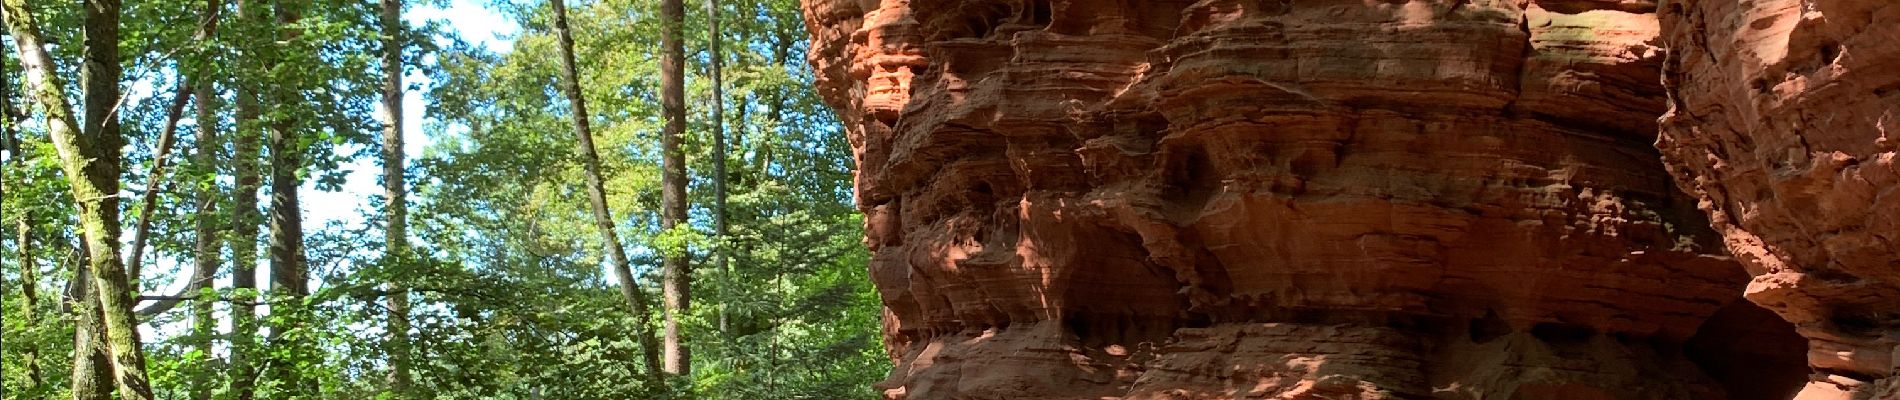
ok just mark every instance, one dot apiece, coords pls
pixel 511 299
pixel 503 198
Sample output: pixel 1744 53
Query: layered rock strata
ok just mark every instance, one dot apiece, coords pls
pixel 1306 199
pixel 1780 123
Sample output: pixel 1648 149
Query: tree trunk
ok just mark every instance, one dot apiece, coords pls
pixel 677 278
pixel 92 367
pixel 112 280
pixel 597 197
pixel 206 242
pixel 29 270
pixel 29 290
pixel 244 212
pixel 718 124
pixel 206 239
pixel 395 235
pixel 290 276
pixel 90 158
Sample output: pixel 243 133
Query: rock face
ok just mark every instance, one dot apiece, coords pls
pixel 1780 117
pixel 1285 199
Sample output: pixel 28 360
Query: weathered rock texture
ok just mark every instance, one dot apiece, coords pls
pixel 1780 119
pixel 1284 199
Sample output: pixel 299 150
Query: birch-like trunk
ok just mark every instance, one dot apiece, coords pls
pixel 637 301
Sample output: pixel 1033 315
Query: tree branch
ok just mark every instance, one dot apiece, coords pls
pixel 149 203
pixel 182 298
pixel 200 279
pixel 173 112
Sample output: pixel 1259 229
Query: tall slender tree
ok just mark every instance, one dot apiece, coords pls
pixel 206 246
pixel 29 291
pixel 677 277
pixel 23 227
pixel 716 67
pixel 597 198
pixel 289 269
pixel 396 207
pixel 207 240
pixel 245 217
pixel 91 160
pixel 288 274
pixel 9 137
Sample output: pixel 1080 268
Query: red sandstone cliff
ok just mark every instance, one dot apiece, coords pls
pixel 1284 199
pixel 1780 117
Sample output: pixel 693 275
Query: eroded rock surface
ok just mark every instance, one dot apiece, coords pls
pixel 1307 199
pixel 1780 123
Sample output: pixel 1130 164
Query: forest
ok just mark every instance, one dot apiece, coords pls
pixel 336 199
